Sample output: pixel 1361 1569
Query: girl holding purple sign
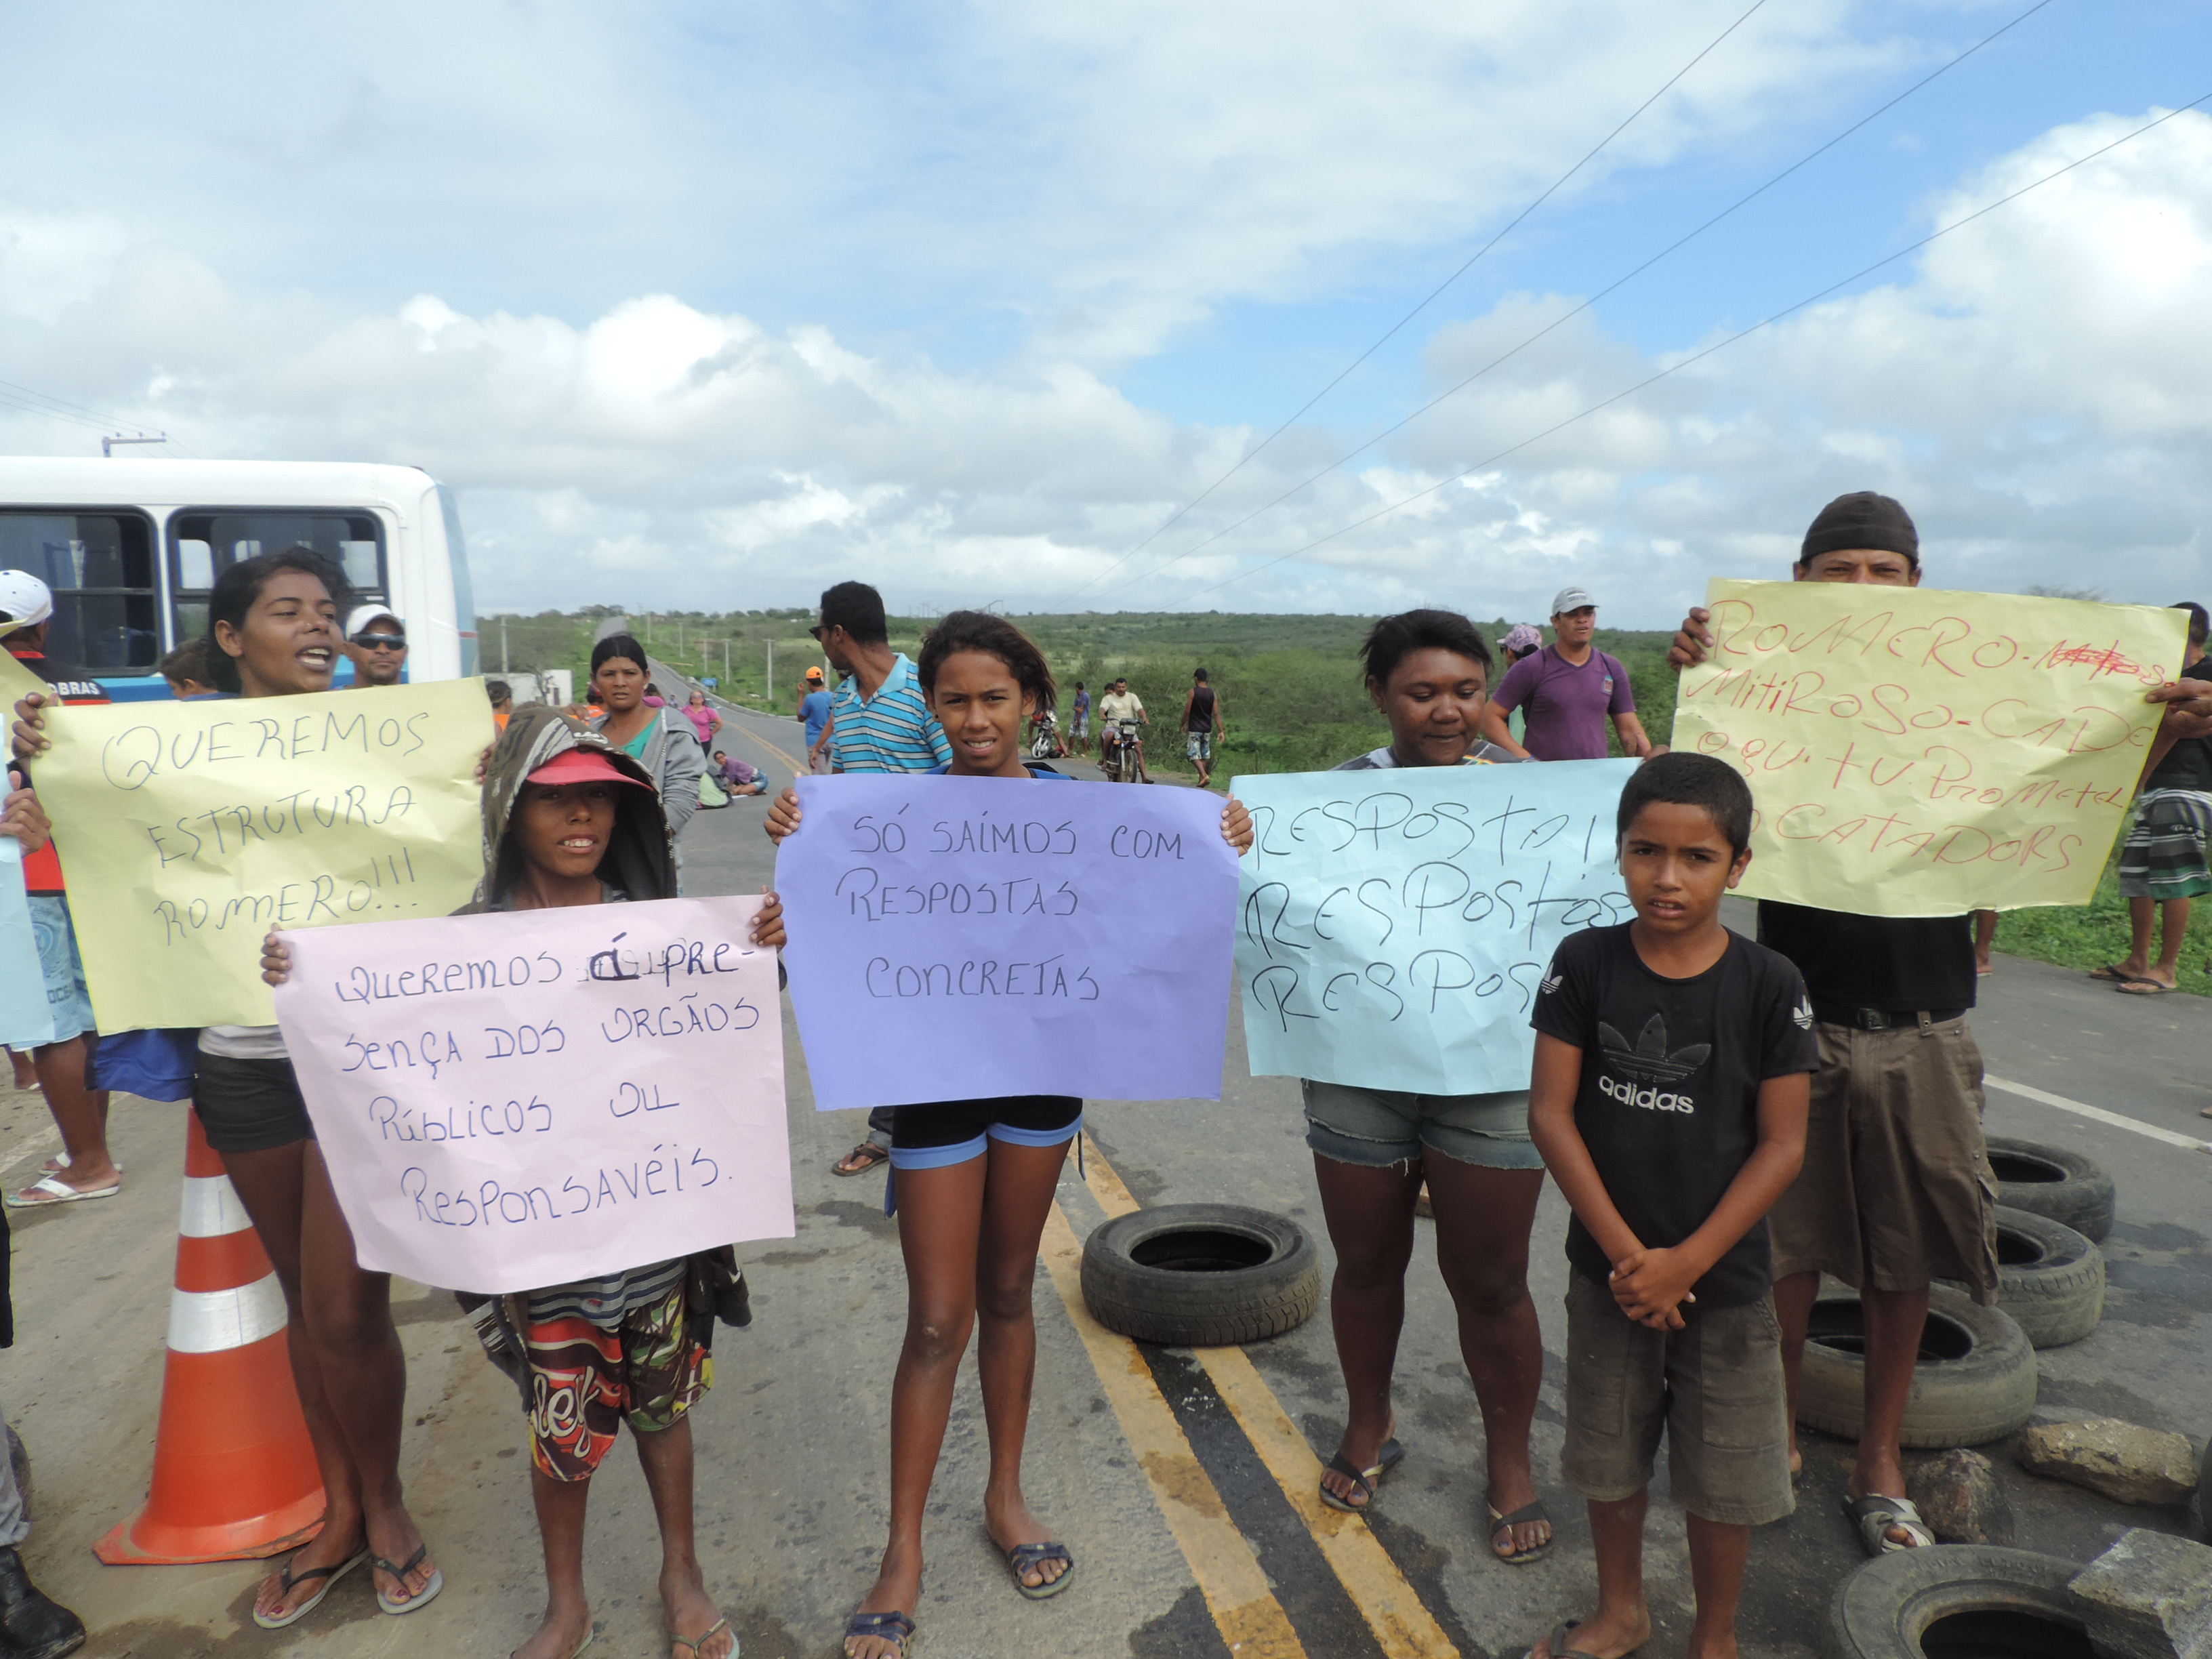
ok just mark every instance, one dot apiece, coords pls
pixel 974 1181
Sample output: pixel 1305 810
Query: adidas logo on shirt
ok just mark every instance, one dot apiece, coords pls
pixel 1550 982
pixel 1803 1014
pixel 1651 1064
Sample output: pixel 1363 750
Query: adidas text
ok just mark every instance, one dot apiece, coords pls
pixel 1651 1100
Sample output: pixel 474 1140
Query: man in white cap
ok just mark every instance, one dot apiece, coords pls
pixel 84 1169
pixel 376 640
pixel 1566 690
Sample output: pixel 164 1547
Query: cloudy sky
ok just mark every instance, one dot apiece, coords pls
pixel 713 305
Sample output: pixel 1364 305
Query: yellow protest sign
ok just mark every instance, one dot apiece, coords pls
pixel 1919 753
pixel 187 830
pixel 17 682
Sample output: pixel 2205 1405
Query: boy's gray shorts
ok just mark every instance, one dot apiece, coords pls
pixel 1714 1386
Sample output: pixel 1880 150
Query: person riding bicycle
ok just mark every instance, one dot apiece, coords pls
pixel 1120 711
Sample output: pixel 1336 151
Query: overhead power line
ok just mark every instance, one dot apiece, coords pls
pixel 1697 357
pixel 1550 191
pixel 30 401
pixel 1613 287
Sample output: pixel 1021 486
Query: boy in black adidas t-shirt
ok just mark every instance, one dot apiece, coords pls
pixel 1668 1100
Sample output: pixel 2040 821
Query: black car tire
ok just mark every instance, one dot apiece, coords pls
pixel 2052 1180
pixel 1201 1275
pixel 1952 1599
pixel 1975 1381
pixel 2050 1278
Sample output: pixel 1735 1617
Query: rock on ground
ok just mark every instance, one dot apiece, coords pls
pixel 2127 1463
pixel 1958 1496
pixel 2150 1596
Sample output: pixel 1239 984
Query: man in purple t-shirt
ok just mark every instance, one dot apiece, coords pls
pixel 1567 690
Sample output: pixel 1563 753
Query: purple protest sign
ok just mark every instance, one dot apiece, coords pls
pixel 963 939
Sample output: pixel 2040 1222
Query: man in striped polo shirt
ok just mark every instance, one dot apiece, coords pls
pixel 878 723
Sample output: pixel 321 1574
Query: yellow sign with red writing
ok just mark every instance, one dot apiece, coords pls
pixel 1919 753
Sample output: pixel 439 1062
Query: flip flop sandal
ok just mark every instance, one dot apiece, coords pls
pixel 1874 1515
pixel 52 1189
pixel 59 1162
pixel 396 1607
pixel 1387 1456
pixel 893 1627
pixel 1028 1557
pixel 287 1578
pixel 1503 1525
pixel 720 1626
pixel 869 1155
pixel 2114 972
pixel 2141 987
pixel 1557 1641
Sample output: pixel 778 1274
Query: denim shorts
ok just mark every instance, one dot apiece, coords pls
pixel 67 998
pixel 1378 1128
pixel 944 1132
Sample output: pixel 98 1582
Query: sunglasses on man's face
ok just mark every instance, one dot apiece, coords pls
pixel 380 642
pixel 817 630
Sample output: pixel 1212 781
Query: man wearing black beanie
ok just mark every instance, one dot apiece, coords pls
pixel 1896 1190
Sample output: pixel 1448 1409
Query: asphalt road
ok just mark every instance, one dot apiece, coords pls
pixel 1181 1481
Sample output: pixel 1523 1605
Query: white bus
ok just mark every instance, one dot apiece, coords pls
pixel 130 548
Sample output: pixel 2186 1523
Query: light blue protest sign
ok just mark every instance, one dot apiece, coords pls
pixel 25 1020
pixel 963 939
pixel 1392 925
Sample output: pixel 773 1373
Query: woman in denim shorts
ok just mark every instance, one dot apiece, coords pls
pixel 1429 672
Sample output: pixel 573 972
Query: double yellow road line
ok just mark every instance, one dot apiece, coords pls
pixel 1243 1604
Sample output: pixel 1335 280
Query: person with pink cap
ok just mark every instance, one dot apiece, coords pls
pixel 569 819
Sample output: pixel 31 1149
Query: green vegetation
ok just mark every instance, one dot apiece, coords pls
pixel 1291 686
pixel 2091 935
pixel 1290 691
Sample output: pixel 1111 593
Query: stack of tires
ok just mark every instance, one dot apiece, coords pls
pixel 1975 1379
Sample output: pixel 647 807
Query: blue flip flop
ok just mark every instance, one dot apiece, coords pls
pixel 1028 1557
pixel 884 1626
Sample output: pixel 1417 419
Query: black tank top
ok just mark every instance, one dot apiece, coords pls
pixel 1201 708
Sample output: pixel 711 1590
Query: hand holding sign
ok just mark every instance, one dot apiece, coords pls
pixel 189 829
pixel 514 1101
pixel 1922 753
pixel 1393 924
pixel 970 938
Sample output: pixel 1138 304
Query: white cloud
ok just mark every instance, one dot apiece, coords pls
pixel 2031 388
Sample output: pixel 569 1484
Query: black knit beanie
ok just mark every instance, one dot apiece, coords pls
pixel 1862 518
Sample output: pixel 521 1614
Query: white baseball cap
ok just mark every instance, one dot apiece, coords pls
pixel 1571 599
pixel 362 614
pixel 24 600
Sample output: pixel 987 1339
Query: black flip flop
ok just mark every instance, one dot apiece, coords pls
pixel 1386 1456
pixel 1028 1557
pixel 1505 1523
pixel 287 1578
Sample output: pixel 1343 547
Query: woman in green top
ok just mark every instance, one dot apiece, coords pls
pixel 657 738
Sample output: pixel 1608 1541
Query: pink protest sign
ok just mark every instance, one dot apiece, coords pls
pixel 515 1101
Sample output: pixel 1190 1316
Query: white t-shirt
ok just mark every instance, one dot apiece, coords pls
pixel 1120 706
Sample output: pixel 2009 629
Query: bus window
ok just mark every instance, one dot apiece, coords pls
pixel 204 542
pixel 100 567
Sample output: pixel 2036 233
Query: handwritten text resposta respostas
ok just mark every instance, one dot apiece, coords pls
pixel 1053 911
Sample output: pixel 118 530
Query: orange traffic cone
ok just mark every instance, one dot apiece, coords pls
pixel 235 1474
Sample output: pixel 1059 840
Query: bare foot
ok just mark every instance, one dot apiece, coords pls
pixel 896 1589
pixel 690 1609
pixel 559 1635
pixel 330 1547
pixel 1603 1636
pixel 1012 1523
pixel 1361 1455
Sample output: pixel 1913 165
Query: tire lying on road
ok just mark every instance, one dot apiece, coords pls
pixel 1201 1275
pixel 2052 1180
pixel 1955 1598
pixel 2049 1278
pixel 1975 1381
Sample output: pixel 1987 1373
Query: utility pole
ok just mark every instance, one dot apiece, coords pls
pixel 725 662
pixel 502 645
pixel 771 670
